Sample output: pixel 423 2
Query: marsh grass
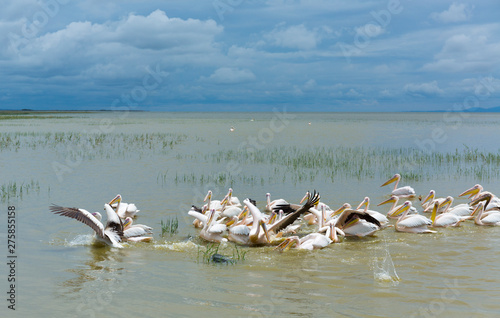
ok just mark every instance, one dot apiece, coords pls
pixel 170 226
pixel 14 190
pixel 211 255
pixel 339 163
pixel 92 145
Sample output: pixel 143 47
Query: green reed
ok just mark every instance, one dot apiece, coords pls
pixel 14 190
pixel 170 226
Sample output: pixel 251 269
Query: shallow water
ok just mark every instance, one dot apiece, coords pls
pixel 61 274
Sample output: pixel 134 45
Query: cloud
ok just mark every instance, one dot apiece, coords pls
pixel 294 37
pixel 457 12
pixel 423 89
pixel 228 75
pixel 473 50
pixel 127 44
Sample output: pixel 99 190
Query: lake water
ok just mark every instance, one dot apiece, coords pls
pixel 164 162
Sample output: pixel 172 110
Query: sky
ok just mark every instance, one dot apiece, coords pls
pixel 243 55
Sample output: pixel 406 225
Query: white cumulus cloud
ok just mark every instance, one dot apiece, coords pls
pixel 229 75
pixel 457 12
pixel 294 37
pixel 423 89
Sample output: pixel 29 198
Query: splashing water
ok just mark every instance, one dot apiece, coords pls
pixel 384 272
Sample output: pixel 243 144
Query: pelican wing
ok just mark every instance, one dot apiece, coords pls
pixel 492 218
pixel 415 221
pixel 135 231
pixel 240 230
pixel 114 222
pixel 404 191
pixel 350 215
pixel 290 218
pixel 81 215
pixel 217 228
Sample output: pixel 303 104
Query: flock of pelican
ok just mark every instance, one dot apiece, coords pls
pixel 119 224
pixel 279 222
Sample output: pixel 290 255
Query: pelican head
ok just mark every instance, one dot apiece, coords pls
pixel 127 222
pixel 396 177
pixel 402 209
pixel 392 199
pixel 485 197
pixel 306 197
pixel 429 197
pixel 364 203
pixel 97 215
pixel 344 207
pixel 472 191
pixel 448 200
pixel 116 199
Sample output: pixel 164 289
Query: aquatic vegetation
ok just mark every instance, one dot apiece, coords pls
pixel 338 163
pixel 14 190
pixel 170 226
pixel 211 255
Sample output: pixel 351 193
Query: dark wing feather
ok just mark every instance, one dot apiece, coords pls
pixel 81 215
pixel 290 218
pixel 349 215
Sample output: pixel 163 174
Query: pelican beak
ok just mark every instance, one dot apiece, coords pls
pixel 363 203
pixel 341 209
pixel 231 221
pixel 272 218
pixel 225 200
pixel 208 196
pixel 478 207
pixel 211 217
pixel 118 198
pixel 401 210
pixel 470 192
pixel 243 213
pixel 391 180
pixel 284 245
pixel 392 199
pixel 264 227
pixel 429 197
pixel 485 197
pixel 305 197
pixel 445 202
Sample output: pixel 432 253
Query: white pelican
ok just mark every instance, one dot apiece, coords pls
pixel 293 216
pixel 212 204
pixel 477 191
pixel 394 200
pixel 271 204
pixel 318 205
pixel 312 241
pixel 405 191
pixel 492 218
pixel 230 200
pixel 111 234
pixel 383 220
pixel 428 202
pixel 356 223
pixel 463 210
pixel 255 236
pixel 445 219
pixel 414 223
pixel 136 232
pixel 212 231
pixel 123 209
